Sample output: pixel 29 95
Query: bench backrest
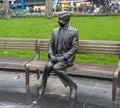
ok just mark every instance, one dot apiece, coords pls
pixel 105 48
pixel 23 44
pixel 91 47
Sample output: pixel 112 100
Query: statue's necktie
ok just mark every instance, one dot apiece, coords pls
pixel 60 39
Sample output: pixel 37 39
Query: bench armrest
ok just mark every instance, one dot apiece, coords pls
pixel 37 50
pixel 117 70
pixel 116 74
pixel 119 63
pixel 118 67
pixel 37 56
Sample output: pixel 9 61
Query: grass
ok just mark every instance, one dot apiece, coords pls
pixel 89 28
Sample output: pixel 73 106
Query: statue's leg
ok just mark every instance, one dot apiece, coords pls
pixel 46 73
pixel 66 80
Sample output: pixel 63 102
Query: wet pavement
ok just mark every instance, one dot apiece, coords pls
pixel 92 93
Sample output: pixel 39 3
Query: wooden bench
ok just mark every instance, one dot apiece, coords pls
pixel 16 44
pixel 86 47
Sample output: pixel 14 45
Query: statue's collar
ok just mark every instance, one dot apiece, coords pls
pixel 64 27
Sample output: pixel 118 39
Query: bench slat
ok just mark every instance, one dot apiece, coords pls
pixel 18 44
pixel 99 53
pixel 91 70
pixel 91 47
pixel 31 49
pixel 13 62
pixel 103 42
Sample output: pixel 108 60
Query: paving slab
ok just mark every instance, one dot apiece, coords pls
pixel 92 93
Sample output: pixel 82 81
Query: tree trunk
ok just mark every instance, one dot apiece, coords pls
pixel 49 9
pixel 6 9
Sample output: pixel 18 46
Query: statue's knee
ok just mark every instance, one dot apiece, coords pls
pixel 55 68
pixel 49 66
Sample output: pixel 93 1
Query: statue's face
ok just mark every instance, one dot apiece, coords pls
pixel 61 24
pixel 62 21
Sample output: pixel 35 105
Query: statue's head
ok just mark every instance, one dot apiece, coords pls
pixel 63 18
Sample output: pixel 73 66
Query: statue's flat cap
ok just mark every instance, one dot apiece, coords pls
pixel 63 14
pixel 63 17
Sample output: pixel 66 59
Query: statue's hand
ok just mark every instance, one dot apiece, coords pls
pixel 53 59
pixel 60 58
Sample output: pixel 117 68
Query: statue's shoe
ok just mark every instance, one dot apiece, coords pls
pixel 73 91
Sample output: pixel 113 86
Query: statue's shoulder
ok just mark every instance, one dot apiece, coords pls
pixel 56 29
pixel 72 29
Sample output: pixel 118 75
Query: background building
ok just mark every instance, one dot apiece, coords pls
pixel 31 2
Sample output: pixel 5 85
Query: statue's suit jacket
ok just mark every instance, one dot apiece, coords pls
pixel 69 44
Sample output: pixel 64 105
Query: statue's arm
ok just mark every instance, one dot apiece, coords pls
pixel 74 47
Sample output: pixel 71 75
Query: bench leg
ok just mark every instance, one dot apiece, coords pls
pixel 114 86
pixel 38 73
pixel 27 79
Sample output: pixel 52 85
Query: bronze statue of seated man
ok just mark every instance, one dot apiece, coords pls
pixel 61 52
